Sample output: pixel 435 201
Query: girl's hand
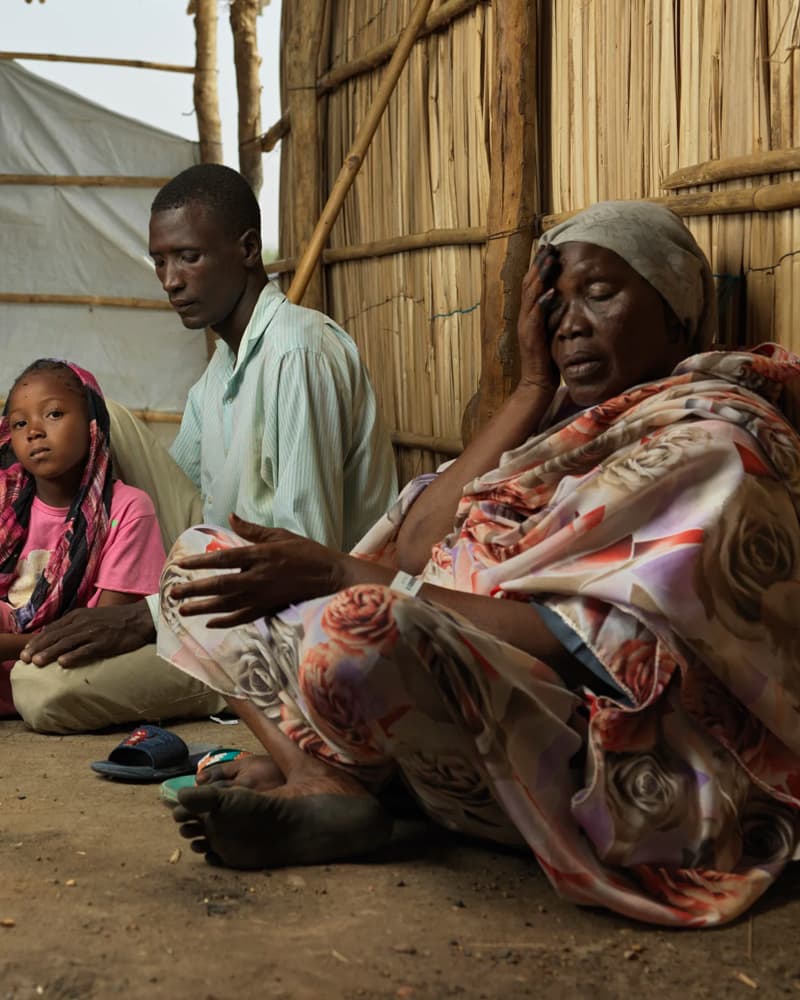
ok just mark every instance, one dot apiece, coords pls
pixel 278 569
pixel 537 369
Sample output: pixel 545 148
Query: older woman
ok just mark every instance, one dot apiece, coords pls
pixel 594 645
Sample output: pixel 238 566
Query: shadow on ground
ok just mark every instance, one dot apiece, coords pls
pixel 102 904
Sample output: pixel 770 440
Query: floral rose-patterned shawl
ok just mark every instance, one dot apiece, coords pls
pixel 662 527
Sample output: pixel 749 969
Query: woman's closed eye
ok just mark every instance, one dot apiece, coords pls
pixel 599 291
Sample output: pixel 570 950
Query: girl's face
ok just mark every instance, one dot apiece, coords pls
pixel 49 426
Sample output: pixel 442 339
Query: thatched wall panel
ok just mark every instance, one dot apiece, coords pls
pixel 415 316
pixel 642 88
pixel 631 91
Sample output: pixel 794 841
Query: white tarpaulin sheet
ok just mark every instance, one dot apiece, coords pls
pixel 59 240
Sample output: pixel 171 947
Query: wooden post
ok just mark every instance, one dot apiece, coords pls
pixel 770 161
pixel 731 201
pixel 355 156
pixel 98 61
pixel 270 139
pixel 514 197
pixel 206 98
pixel 304 43
pixel 305 36
pixel 84 180
pixel 244 15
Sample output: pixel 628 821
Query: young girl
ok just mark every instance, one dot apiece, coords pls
pixel 70 535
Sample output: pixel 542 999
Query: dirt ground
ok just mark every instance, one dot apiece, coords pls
pixel 95 902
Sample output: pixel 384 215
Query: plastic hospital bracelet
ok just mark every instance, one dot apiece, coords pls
pixel 405 583
pixel 154 604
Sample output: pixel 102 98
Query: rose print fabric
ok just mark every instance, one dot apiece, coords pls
pixel 662 527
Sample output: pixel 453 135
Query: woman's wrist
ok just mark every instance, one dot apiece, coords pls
pixel 537 383
pixel 351 571
pixel 343 573
pixel 530 399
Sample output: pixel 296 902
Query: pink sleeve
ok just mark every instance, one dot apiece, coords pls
pixel 133 554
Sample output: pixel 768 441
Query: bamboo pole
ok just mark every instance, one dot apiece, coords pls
pixel 440 445
pixel 441 18
pixel 470 236
pixel 773 161
pixel 269 140
pixel 158 416
pixel 244 17
pixel 97 61
pixel 154 416
pixel 514 198
pixel 206 97
pixel 282 265
pixel 766 198
pixel 73 180
pixel 401 439
pixel 303 42
pixel 355 156
pixel 118 302
pixel 403 244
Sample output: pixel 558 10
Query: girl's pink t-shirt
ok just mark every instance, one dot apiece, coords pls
pixel 131 561
pixel 132 557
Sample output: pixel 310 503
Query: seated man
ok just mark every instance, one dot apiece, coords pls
pixel 282 429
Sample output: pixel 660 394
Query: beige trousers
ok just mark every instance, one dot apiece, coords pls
pixel 135 686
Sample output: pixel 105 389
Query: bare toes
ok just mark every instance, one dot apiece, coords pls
pixel 192 829
pixel 247 830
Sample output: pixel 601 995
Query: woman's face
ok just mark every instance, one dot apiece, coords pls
pixel 608 326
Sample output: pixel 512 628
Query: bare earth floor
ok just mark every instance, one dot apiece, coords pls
pixel 96 902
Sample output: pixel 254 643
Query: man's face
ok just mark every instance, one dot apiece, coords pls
pixel 200 266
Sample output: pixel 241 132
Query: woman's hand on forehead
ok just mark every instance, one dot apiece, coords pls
pixel 538 294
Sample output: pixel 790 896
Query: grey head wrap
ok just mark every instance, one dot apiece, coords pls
pixel 656 244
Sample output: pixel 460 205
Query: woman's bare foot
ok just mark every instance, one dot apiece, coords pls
pixel 258 772
pixel 317 814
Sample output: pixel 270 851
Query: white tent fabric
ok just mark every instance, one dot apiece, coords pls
pixel 62 240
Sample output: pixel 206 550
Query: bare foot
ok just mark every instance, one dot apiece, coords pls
pixel 258 772
pixel 317 815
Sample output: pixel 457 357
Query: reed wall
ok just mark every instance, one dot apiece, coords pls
pixel 415 316
pixel 639 88
pixel 629 91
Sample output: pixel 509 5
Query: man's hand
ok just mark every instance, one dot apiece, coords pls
pixel 89 634
pixel 278 569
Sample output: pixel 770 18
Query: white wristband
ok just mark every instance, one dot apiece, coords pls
pixel 405 583
pixel 154 604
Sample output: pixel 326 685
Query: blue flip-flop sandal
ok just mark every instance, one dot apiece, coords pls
pixel 170 788
pixel 151 753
